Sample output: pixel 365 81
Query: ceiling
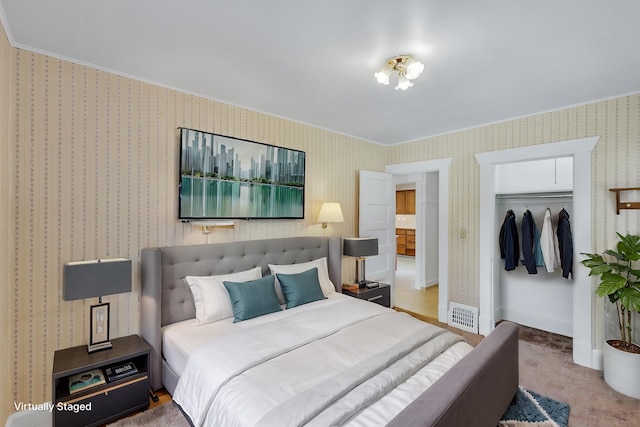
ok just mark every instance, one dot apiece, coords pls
pixel 313 62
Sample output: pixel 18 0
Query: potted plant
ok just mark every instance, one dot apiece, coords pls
pixel 620 282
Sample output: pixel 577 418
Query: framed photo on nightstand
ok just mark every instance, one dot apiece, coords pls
pixel 99 324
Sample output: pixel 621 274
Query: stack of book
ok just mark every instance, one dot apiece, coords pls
pixel 350 286
pixel 85 380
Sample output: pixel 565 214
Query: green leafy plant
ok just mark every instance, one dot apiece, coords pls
pixel 620 282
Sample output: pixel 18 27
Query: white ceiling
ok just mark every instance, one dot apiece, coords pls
pixel 313 62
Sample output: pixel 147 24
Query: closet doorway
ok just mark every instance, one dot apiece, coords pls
pixel 582 297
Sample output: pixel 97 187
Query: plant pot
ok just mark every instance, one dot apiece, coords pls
pixel 622 370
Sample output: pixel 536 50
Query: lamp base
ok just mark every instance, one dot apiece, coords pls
pixel 99 347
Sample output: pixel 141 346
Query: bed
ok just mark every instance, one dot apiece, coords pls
pixel 297 365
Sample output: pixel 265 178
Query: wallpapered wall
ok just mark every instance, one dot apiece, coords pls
pixel 89 158
pixel 90 161
pixel 615 164
pixel 6 227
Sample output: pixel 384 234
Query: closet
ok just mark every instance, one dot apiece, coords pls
pixel 543 300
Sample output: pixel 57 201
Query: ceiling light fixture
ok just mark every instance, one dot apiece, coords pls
pixel 406 67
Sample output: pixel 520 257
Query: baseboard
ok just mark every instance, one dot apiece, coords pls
pixel 557 326
pixel 430 283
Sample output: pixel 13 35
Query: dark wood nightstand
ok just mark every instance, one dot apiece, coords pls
pixel 380 295
pixel 101 404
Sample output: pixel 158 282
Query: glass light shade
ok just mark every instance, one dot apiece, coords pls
pixel 330 212
pixel 414 69
pixel 403 83
pixel 382 76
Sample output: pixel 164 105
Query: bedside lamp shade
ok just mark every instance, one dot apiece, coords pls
pixel 360 248
pixel 330 212
pixel 96 278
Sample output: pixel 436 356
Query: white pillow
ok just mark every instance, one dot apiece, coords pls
pixel 323 275
pixel 211 297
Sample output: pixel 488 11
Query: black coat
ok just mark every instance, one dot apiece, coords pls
pixel 528 242
pixel 565 244
pixel 509 241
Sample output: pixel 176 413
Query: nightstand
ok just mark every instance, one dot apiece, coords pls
pixel 380 295
pixel 101 404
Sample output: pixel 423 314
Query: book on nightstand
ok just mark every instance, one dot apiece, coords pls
pixel 350 286
pixel 85 380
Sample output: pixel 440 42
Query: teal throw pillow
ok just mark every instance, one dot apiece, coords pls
pixel 301 288
pixel 253 298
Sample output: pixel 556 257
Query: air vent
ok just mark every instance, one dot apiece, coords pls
pixel 463 317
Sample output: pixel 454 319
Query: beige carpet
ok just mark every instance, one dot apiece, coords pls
pixel 593 403
pixel 166 415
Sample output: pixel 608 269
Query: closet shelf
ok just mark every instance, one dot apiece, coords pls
pixel 544 195
pixel 625 205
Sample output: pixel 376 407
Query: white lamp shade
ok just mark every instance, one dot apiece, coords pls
pixel 403 83
pixel 330 212
pixel 382 77
pixel 414 69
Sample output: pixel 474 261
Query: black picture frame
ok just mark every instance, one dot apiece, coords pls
pixel 222 178
pixel 99 324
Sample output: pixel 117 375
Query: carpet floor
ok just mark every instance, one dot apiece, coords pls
pixel 551 372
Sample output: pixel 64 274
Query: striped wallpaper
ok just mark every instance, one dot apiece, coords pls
pixel 7 239
pixel 615 164
pixel 90 158
pixel 616 161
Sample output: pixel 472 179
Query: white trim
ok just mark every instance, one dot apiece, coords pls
pixel 538 152
pixel 581 150
pixel 442 167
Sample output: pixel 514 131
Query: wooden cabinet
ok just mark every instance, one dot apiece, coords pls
pixel 99 405
pixel 410 205
pixel 401 202
pixel 406 202
pixel 406 241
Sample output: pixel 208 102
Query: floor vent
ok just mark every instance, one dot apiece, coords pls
pixel 463 317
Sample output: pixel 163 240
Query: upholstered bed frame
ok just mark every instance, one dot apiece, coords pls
pixel 475 392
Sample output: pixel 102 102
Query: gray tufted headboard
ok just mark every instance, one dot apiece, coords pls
pixel 166 298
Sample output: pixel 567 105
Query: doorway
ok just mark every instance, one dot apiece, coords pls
pixel 416 263
pixel 437 252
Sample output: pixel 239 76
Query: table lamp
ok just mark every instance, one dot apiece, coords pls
pixel 96 278
pixel 360 248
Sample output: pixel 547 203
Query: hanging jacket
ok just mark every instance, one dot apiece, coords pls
pixel 509 241
pixel 537 249
pixel 528 242
pixel 547 243
pixel 565 244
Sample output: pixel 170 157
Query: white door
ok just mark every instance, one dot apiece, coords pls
pixel 377 219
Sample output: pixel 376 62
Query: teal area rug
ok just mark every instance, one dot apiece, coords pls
pixel 531 409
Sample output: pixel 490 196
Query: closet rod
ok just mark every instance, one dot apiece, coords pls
pixel 549 195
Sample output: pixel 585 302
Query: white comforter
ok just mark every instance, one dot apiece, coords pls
pixel 337 361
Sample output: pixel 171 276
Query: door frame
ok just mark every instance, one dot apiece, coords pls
pixel 442 167
pixel 580 149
